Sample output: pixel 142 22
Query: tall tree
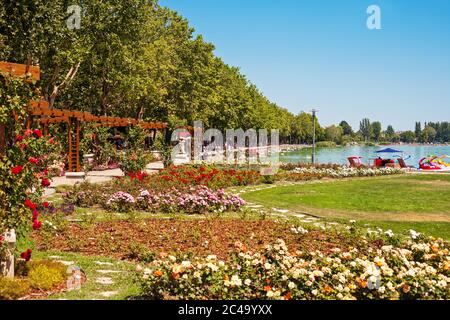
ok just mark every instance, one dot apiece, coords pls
pixel 418 130
pixel 376 130
pixel 365 129
pixel 347 129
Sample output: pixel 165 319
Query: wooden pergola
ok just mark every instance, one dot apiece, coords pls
pixel 40 113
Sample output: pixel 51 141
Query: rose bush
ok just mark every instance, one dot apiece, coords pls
pixel 194 200
pixel 416 269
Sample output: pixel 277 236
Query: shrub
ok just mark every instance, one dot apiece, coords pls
pixel 12 289
pixel 45 276
pixel 121 202
pixel 326 144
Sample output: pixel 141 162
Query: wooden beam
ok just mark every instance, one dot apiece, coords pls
pixel 19 70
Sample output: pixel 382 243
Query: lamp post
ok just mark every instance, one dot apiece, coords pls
pixel 313 156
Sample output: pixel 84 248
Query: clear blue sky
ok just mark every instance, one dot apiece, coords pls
pixel 319 53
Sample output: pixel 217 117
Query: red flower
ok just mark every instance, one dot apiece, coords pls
pixel 35 215
pixel 33 160
pixel 51 141
pixel 17 169
pixel 37 132
pixel 18 138
pixel 30 204
pixel 45 204
pixel 1 239
pixel 37 225
pixel 26 255
pixel 45 182
pixel 28 132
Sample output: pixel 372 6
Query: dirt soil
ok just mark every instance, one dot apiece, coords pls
pixel 199 237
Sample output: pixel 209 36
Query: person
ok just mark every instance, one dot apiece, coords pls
pixel 378 162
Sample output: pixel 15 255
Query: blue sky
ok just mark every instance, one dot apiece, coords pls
pixel 319 53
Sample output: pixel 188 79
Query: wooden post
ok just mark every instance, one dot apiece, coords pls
pixel 74 129
pixel 7 266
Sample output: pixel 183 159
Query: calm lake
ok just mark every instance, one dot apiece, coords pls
pixel 340 155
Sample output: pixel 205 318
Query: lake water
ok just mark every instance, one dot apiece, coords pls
pixel 340 155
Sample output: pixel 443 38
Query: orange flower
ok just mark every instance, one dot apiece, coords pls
pixel 447 266
pixel 327 289
pixel 226 278
pixel 406 288
pixel 435 248
pixel 362 283
pixel 267 288
pixel 288 296
pixel 175 275
pixel 157 273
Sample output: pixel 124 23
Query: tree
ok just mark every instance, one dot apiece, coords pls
pixel 418 130
pixel 347 129
pixel 334 133
pixel 390 131
pixel 407 136
pixel 376 130
pixel 428 134
pixel 365 128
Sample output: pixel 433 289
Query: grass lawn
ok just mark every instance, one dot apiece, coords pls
pixel 418 202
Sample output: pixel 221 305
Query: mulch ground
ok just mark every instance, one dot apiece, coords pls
pixel 199 237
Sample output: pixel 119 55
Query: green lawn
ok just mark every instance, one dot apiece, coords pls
pixel 402 202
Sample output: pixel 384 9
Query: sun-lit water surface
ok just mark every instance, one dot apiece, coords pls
pixel 340 155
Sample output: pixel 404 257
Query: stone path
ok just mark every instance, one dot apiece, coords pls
pixel 97 177
pixel 102 282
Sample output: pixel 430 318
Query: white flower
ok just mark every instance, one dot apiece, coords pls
pixel 247 282
pixel 267 266
pixel 291 285
pixel 389 233
pixel 270 294
pixel 414 234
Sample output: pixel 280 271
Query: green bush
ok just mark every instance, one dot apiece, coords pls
pixel 12 289
pixel 326 144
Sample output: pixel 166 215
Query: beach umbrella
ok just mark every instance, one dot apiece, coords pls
pixel 389 150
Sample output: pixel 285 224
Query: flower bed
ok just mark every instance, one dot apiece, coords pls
pixel 418 269
pixel 210 176
pixel 193 200
pixel 198 199
pixel 335 172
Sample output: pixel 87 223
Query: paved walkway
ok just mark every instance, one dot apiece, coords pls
pixel 97 177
